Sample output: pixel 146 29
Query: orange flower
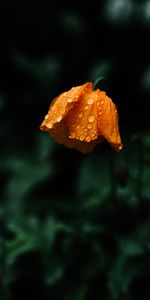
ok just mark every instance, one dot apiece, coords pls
pixel 81 118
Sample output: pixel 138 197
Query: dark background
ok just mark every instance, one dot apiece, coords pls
pixel 74 226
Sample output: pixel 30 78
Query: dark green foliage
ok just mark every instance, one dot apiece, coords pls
pixel 73 226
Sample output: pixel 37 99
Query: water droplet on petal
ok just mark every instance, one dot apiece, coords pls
pixel 58 119
pixel 46 117
pixel 73 135
pixel 86 107
pixel 88 138
pixel 90 101
pixel 80 115
pixel 91 119
pixel 69 100
pixel 102 102
pixel 49 125
pixel 82 137
pixel 89 126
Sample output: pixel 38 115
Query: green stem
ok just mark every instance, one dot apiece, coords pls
pixel 100 78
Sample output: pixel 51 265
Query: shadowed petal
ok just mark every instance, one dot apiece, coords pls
pixel 108 122
pixel 60 135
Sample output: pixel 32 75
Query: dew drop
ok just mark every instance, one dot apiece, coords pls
pixel 88 138
pixel 86 107
pixel 46 117
pixel 49 125
pixel 89 126
pixel 82 137
pixel 73 134
pixel 58 119
pixel 91 119
pixel 102 102
pixel 90 101
pixel 69 100
pixel 80 115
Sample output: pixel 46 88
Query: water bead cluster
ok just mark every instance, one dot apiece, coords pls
pixel 81 118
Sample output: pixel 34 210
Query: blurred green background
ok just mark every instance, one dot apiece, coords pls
pixel 74 226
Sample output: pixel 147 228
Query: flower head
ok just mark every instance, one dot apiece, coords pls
pixel 81 118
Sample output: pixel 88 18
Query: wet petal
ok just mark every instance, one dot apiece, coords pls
pixel 61 135
pixel 82 119
pixel 108 122
pixel 61 105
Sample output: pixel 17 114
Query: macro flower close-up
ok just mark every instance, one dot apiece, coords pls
pixel 81 118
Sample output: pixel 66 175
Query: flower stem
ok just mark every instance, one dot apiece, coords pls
pixel 100 78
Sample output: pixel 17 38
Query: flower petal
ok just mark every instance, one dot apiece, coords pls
pixel 108 121
pixel 61 135
pixel 61 105
pixel 82 119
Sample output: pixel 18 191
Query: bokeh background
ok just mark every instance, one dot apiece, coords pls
pixel 74 226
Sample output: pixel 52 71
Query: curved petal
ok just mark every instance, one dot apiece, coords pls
pixel 108 121
pixel 82 119
pixel 62 104
pixel 61 135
